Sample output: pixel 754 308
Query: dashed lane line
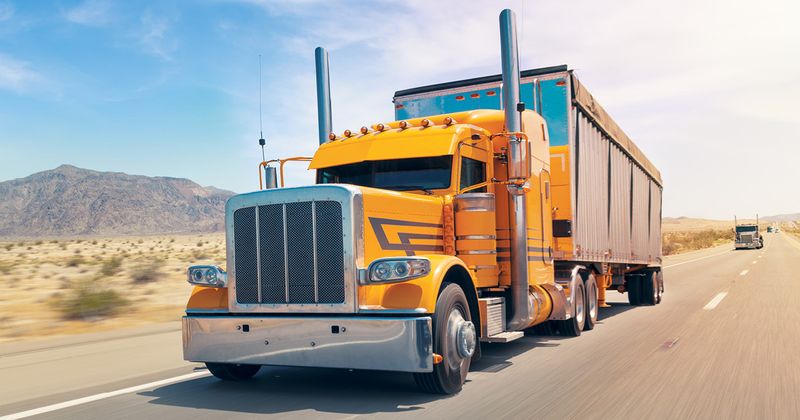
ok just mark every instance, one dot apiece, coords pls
pixel 744 272
pixel 715 301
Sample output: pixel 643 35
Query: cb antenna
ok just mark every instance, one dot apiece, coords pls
pixel 261 140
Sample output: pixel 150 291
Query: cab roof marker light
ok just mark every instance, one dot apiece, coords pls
pixel 425 123
pixel 332 136
pixel 364 130
pixel 348 133
pixel 449 121
pixel 403 125
pixel 380 127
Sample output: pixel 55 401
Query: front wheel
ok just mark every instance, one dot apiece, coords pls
pixel 455 339
pixel 232 372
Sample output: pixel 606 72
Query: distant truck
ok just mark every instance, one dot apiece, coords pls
pixel 488 207
pixel 748 236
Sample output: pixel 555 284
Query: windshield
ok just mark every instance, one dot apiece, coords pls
pixel 428 173
pixel 740 229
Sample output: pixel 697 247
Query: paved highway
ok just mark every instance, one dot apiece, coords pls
pixel 725 343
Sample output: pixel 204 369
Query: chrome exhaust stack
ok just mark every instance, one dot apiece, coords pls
pixel 521 311
pixel 323 94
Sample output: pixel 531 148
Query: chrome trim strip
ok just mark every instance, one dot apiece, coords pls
pixel 403 344
pixel 382 310
pixel 468 237
pixel 285 254
pixel 314 247
pixel 478 252
pixel 258 255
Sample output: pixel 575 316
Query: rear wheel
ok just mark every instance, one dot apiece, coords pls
pixel 454 338
pixel 591 302
pixel 572 327
pixel 650 288
pixel 232 372
pixel 660 286
pixel 633 284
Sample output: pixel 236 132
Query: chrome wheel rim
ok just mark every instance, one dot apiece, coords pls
pixel 461 338
pixel 579 307
pixel 593 302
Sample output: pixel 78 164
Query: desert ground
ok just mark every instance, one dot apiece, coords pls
pixel 74 285
pixel 66 286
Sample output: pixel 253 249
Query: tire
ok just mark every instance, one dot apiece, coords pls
pixel 572 327
pixel 660 286
pixel 592 308
pixel 451 319
pixel 649 288
pixel 232 372
pixel 633 283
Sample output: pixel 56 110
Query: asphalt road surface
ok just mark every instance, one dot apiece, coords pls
pixel 725 343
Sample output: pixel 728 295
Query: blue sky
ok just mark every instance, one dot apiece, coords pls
pixel 706 89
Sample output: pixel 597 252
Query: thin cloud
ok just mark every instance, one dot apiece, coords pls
pixel 6 11
pixel 154 36
pixel 90 13
pixel 16 75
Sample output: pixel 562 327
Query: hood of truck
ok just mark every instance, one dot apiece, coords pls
pixel 401 224
pixel 394 143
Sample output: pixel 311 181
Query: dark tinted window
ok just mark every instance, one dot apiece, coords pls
pixel 472 172
pixel 745 228
pixel 399 174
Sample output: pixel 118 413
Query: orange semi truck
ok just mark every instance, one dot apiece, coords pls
pixel 516 203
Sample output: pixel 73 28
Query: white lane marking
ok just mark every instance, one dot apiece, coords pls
pixel 715 301
pixel 696 259
pixel 744 272
pixel 756 261
pixel 102 396
pixel 759 256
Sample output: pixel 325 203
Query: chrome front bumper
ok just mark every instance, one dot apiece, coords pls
pixel 374 343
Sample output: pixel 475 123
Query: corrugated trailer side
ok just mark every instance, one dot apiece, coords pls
pixel 607 201
pixel 626 190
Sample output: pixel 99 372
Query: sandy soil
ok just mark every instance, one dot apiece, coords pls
pixel 39 275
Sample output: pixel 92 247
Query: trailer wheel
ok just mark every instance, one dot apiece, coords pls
pixel 649 288
pixel 660 286
pixel 454 338
pixel 572 327
pixel 592 309
pixel 633 284
pixel 232 372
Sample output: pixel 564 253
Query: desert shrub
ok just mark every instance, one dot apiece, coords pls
pixel 8 246
pixel 6 267
pixel 146 273
pixel 89 298
pixel 94 242
pixel 200 243
pixel 75 261
pixel 141 241
pixel 111 266
pixel 38 243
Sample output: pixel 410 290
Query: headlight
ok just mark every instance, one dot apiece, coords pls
pixel 390 270
pixel 207 275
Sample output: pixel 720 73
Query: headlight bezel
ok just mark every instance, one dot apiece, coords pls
pixel 207 276
pixel 414 267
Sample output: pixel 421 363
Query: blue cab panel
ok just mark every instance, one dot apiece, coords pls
pixel 553 107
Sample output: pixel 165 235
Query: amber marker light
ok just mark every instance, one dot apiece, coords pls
pixel 364 130
pixel 380 127
pixel 331 136
pixel 449 121
pixel 425 123
pixel 348 133
pixel 403 124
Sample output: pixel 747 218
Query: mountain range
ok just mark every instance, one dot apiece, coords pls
pixel 71 201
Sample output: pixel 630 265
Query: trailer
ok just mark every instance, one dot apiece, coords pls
pixel 490 207
pixel 606 193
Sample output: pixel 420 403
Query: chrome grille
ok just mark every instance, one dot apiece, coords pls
pixel 289 253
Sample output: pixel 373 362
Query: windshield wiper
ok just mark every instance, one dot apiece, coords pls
pixel 407 188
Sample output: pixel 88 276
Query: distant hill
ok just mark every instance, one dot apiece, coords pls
pixel 782 218
pixel 70 201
